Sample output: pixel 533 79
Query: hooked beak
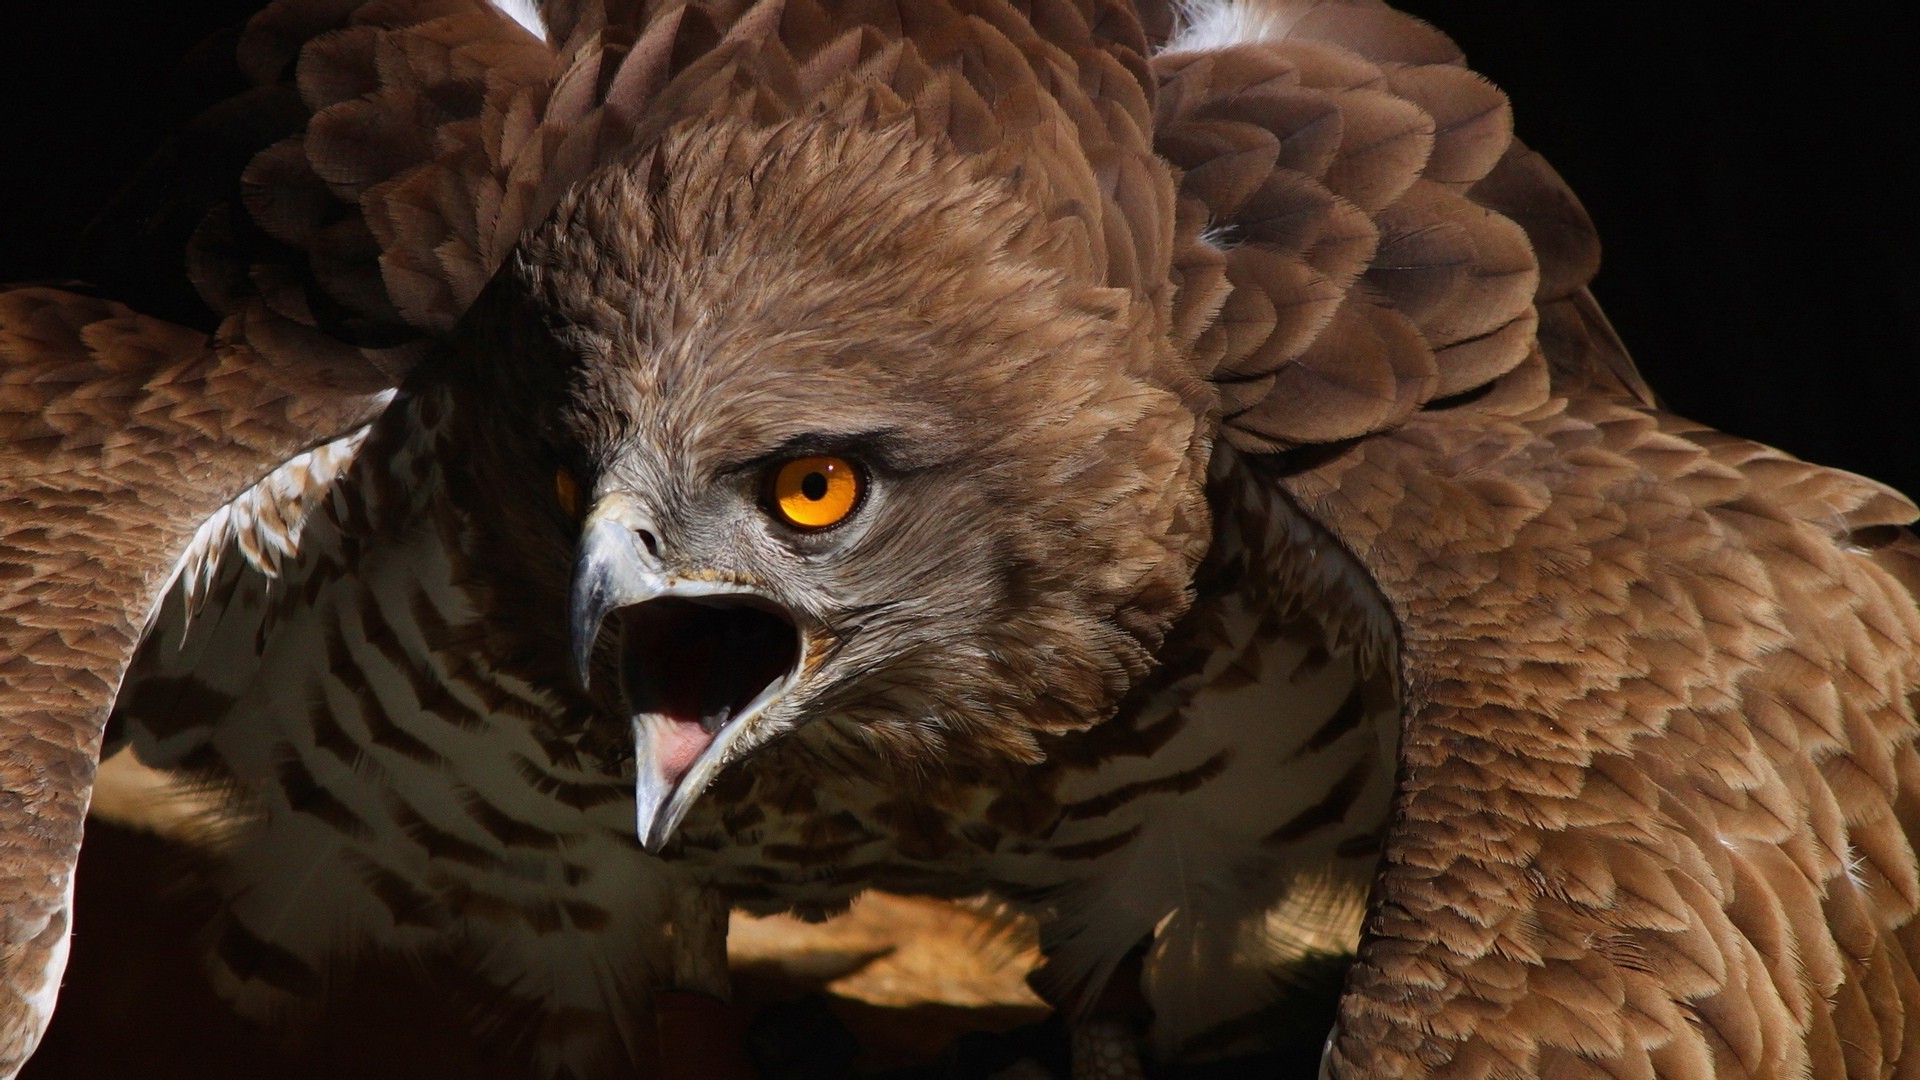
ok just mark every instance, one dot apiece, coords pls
pixel 699 661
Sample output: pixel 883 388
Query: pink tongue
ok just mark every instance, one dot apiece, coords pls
pixel 678 736
pixel 677 743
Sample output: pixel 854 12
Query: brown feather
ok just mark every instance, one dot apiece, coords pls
pixel 1656 769
pixel 115 457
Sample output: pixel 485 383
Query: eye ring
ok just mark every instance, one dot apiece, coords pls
pixel 814 492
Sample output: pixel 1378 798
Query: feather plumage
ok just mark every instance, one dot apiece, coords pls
pixel 1262 512
pixel 124 434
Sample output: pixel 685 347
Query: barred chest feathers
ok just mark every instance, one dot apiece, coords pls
pixel 401 782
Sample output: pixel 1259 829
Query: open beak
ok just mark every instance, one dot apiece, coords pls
pixel 699 662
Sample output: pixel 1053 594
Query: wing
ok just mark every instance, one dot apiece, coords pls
pixel 391 151
pixel 1657 770
pixel 123 435
pixel 1364 237
pixel 384 156
pixel 350 199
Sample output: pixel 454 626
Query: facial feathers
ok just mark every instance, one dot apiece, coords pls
pixel 747 288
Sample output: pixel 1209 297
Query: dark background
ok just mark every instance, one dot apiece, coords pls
pixel 1754 172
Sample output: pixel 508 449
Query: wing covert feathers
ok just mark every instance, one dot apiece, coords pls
pixel 1354 207
pixel 407 145
pixel 123 433
pixel 1355 231
pixel 1658 769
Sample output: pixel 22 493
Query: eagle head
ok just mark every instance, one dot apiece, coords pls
pixel 853 441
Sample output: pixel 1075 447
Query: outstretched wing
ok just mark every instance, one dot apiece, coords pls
pixel 1657 770
pixel 392 151
pixel 1366 236
pixel 122 434
pixel 351 198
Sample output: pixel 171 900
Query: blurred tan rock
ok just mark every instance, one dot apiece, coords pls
pixel 899 951
pixel 130 794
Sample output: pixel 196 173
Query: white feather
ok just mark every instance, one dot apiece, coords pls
pixel 1221 24
pixel 264 522
pixel 526 13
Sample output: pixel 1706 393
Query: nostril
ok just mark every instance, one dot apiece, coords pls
pixel 648 541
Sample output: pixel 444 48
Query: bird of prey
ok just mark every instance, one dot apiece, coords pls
pixel 1160 469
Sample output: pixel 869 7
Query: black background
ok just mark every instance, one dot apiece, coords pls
pixel 1754 172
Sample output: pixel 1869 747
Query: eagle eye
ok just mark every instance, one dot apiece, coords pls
pixel 814 492
pixel 567 490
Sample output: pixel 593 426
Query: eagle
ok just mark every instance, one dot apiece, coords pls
pixel 1158 467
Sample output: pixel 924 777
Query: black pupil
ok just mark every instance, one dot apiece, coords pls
pixel 814 486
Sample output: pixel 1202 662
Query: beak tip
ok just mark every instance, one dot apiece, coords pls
pixel 648 829
pixel 583 665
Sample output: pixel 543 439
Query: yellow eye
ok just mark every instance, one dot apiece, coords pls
pixel 815 492
pixel 567 490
